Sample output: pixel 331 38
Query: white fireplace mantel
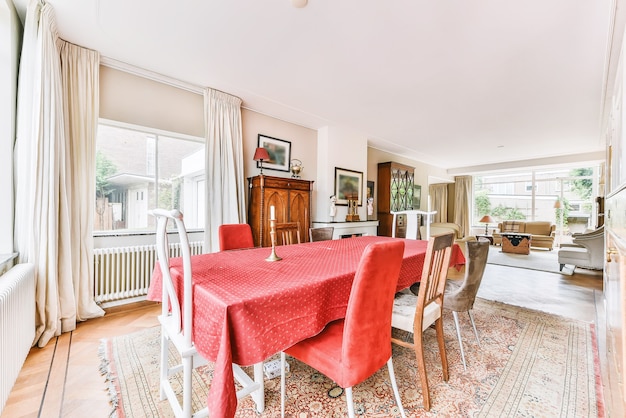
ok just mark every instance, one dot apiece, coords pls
pixel 349 229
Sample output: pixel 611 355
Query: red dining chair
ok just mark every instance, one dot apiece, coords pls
pixel 352 349
pixel 235 236
pixel 177 324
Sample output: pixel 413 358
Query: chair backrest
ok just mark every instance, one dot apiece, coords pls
pixel 288 233
pixel 462 298
pixel 235 236
pixel 367 328
pixel 170 300
pixel 434 275
pixel 413 220
pixel 321 234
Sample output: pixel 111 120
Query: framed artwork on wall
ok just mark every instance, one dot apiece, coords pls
pixel 370 189
pixel 279 151
pixel 348 186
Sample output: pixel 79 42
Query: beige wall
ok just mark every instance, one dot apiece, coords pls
pixel 130 98
pixel 142 101
pixel 303 144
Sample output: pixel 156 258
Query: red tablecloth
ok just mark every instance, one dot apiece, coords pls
pixel 247 309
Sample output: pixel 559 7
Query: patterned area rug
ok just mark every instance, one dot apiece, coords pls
pixel 528 364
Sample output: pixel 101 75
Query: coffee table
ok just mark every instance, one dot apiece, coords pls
pixel 516 243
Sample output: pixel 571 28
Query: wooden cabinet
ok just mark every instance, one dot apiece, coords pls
pixel 291 199
pixel 395 193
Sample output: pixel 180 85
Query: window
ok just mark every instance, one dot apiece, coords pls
pixel 531 194
pixel 139 169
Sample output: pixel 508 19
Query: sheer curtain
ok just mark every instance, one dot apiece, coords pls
pixel 462 200
pixel 46 194
pixel 225 187
pixel 439 198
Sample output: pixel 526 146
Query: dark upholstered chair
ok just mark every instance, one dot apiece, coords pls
pixel 460 295
pixel 321 234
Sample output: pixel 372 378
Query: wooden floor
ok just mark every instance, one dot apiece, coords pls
pixel 63 379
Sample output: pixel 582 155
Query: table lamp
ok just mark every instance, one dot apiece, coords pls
pixel 259 155
pixel 487 220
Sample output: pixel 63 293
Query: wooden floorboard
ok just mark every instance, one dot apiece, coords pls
pixel 77 389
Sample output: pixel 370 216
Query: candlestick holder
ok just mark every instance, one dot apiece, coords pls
pixel 273 256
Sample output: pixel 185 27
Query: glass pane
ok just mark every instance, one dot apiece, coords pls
pixel 138 171
pixel 532 195
pixel 181 169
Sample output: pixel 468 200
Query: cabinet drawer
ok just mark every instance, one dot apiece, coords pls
pixel 285 183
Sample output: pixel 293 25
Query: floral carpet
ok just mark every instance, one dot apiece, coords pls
pixel 528 364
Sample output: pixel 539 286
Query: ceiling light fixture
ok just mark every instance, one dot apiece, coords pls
pixel 299 3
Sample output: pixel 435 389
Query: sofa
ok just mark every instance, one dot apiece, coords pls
pixel 438 228
pixel 542 232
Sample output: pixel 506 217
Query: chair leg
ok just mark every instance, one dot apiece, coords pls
pixel 164 364
pixel 394 385
pixel 421 367
pixel 471 315
pixel 350 402
pixel 282 384
pixel 442 348
pixel 458 335
pixel 259 395
pixel 187 377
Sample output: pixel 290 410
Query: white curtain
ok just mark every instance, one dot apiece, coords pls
pixel 81 72
pixel 44 185
pixel 462 199
pixel 225 186
pixel 439 198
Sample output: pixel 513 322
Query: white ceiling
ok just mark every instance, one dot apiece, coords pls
pixel 452 83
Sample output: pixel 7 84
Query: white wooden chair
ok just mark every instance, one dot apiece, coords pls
pixel 171 319
pixel 413 223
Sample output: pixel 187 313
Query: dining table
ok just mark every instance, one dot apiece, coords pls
pixel 246 309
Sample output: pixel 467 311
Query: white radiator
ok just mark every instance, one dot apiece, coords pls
pixel 123 273
pixel 17 323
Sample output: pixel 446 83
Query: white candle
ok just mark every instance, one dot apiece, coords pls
pixel 428 203
pixel 272 213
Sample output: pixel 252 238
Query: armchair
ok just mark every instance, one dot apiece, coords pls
pixel 439 228
pixel 587 251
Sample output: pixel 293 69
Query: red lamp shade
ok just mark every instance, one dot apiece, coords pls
pixel 261 154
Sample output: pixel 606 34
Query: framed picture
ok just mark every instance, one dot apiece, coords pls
pixel 348 186
pixel 417 196
pixel 279 151
pixel 370 190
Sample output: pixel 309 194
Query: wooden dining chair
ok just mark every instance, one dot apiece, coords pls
pixel 352 349
pixel 177 325
pixel 460 295
pixel 321 234
pixel 235 236
pixel 415 314
pixel 288 233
